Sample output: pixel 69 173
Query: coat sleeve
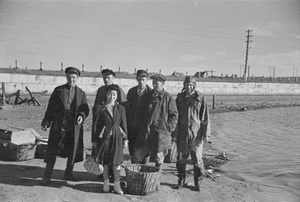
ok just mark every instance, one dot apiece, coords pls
pixel 123 123
pixel 205 121
pixel 83 109
pixel 122 96
pixel 49 114
pixel 173 114
pixel 95 126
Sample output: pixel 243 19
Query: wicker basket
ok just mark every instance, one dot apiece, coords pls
pixel 142 179
pixel 13 152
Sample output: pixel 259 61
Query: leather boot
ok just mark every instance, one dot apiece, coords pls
pixel 117 188
pixel 68 173
pixel 181 175
pixel 47 174
pixel 105 177
pixel 197 178
pixel 106 185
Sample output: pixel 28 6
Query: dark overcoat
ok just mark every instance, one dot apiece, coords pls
pixel 54 117
pixel 132 103
pixel 112 133
pixel 157 118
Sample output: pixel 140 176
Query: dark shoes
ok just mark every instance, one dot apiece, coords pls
pixel 197 181
pixel 180 184
pixel 70 178
pixel 45 181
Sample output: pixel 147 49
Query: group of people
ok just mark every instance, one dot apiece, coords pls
pixel 144 120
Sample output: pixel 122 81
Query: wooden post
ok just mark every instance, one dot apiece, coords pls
pixel 3 93
pixel 214 102
pixel 41 65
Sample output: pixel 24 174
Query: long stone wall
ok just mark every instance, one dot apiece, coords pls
pixel 39 83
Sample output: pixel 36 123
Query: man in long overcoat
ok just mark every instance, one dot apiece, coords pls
pixel 157 117
pixel 66 111
pixel 133 99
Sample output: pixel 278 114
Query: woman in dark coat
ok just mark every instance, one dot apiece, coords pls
pixel 109 136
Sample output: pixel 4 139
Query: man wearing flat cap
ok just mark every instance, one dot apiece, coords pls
pixel 193 131
pixel 67 109
pixel 108 79
pixel 157 117
pixel 133 98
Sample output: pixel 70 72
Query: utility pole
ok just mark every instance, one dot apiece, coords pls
pixel 295 71
pixel 241 67
pixel 273 72
pixel 247 51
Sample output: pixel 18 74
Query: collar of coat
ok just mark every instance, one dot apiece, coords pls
pixel 159 94
pixel 197 96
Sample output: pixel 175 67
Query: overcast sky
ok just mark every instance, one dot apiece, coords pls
pixel 180 36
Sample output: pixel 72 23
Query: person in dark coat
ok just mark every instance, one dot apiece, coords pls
pixel 108 79
pixel 67 109
pixel 133 98
pixel 109 136
pixel 193 131
pixel 157 117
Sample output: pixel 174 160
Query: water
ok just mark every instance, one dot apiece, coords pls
pixel 263 145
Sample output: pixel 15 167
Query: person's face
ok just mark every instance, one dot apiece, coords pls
pixel 111 96
pixel 72 79
pixel 157 85
pixel 189 88
pixel 142 81
pixel 108 79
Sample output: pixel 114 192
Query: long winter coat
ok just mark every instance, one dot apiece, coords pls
pixel 112 132
pixel 193 120
pixel 157 120
pixel 54 116
pixel 133 98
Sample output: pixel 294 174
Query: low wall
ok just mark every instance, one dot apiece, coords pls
pixel 39 83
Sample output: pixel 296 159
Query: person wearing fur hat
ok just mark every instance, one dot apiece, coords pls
pixel 193 130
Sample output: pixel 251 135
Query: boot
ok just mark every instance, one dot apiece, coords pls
pixel 47 174
pixel 197 178
pixel 68 173
pixel 106 185
pixel 181 175
pixel 117 188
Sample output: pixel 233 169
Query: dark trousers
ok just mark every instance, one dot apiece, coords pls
pixel 68 144
pixel 50 165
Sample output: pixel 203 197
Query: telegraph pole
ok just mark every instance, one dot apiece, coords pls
pixel 247 51
pixel 273 72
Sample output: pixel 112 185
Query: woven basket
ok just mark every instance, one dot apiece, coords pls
pixel 12 152
pixel 142 179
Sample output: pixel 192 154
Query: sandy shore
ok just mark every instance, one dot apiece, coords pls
pixel 19 180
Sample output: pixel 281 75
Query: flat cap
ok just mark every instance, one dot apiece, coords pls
pixel 107 72
pixel 72 70
pixel 158 77
pixel 142 72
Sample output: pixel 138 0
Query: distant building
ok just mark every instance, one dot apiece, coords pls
pixel 201 74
